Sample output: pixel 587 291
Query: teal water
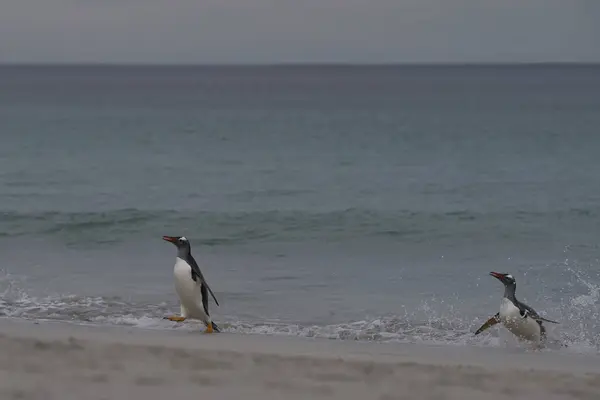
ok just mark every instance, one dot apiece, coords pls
pixel 346 202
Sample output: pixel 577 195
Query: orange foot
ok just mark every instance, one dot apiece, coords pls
pixel 175 318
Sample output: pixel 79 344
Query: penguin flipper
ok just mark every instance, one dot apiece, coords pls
pixel 527 311
pixel 204 293
pixel 211 293
pixel 489 323
pixel 197 274
pixel 546 320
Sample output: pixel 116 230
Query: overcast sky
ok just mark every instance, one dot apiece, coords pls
pixel 267 31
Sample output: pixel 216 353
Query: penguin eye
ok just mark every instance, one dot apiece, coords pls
pixel 183 239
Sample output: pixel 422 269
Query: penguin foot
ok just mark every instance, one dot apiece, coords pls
pixel 175 318
pixel 209 329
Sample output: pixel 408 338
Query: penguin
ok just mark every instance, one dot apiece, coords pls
pixel 190 285
pixel 520 319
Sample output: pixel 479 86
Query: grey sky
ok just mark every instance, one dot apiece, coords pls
pixel 265 31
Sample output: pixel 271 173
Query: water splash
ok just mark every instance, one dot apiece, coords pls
pixel 589 299
pixel 582 313
pixel 435 321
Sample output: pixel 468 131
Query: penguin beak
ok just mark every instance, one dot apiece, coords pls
pixel 498 276
pixel 171 239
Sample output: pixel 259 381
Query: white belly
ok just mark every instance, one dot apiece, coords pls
pixel 188 291
pixel 523 328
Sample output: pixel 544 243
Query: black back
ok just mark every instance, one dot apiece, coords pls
pixel 197 274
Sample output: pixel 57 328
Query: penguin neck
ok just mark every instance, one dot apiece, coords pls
pixel 183 253
pixel 509 293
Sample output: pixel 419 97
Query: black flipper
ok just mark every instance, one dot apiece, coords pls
pixel 527 311
pixel 196 273
pixel 204 298
pixel 205 305
pixel 489 323
pixel 546 320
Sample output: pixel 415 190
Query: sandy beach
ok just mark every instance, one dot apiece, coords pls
pixel 49 360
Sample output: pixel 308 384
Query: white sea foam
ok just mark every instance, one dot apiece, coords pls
pixel 449 327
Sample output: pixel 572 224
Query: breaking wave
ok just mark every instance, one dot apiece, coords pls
pixel 579 330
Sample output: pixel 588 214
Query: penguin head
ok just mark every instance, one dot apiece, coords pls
pixel 506 279
pixel 181 242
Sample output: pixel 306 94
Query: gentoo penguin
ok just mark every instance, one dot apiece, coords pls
pixel 520 319
pixel 190 285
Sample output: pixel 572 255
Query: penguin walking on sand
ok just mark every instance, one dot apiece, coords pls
pixel 520 319
pixel 190 285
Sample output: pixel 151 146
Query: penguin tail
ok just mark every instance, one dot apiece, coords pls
pixel 215 327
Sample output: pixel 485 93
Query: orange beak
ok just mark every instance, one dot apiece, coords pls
pixel 497 275
pixel 171 239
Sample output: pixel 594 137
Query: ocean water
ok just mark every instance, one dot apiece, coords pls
pixel 352 203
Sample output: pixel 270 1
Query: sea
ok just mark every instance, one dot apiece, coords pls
pixel 344 202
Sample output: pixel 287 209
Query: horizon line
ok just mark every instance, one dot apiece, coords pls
pixel 303 64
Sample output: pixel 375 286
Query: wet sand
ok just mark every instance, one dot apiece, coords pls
pixel 49 360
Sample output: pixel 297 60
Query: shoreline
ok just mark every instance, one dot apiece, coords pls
pixel 57 360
